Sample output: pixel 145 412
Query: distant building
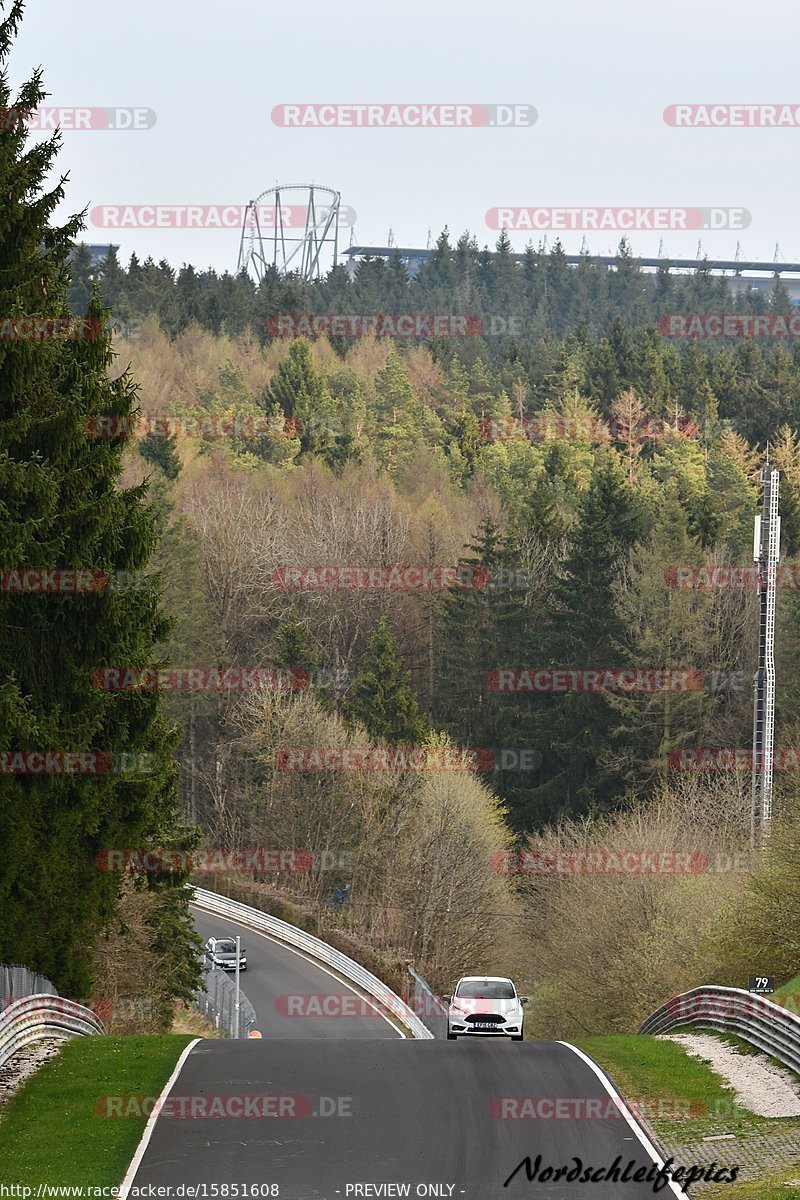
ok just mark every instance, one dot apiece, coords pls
pixel 761 276
pixel 412 259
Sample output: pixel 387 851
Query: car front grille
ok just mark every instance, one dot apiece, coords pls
pixel 487 1018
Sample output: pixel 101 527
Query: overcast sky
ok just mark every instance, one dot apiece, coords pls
pixel 599 75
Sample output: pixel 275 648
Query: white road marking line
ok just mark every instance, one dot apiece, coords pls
pixel 151 1122
pixel 623 1108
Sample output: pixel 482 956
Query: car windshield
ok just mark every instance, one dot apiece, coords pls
pixel 485 989
pixel 226 947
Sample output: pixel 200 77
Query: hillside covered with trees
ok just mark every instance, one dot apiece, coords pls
pixel 567 466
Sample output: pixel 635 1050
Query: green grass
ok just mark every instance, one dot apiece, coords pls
pixel 788 995
pixel 736 1043
pixel 744 1047
pixel 679 1095
pixel 50 1131
pixel 776 1187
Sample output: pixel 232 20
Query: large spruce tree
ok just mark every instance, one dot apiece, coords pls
pixel 382 697
pixel 61 507
pixel 585 632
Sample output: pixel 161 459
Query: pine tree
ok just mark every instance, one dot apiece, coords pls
pixel 61 508
pixel 81 278
pixel 584 633
pixel 481 632
pixel 403 420
pixel 381 696
pixel 664 628
pixel 301 392
pixel 296 384
pixel 112 283
pixel 785 454
pixel 163 453
pixel 294 646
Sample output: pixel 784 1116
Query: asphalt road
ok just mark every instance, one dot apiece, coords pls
pixel 328 1108
pixel 402 1112
pixel 275 980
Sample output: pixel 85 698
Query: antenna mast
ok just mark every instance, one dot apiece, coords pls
pixel 766 553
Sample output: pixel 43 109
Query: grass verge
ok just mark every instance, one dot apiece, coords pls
pixel 50 1130
pixel 188 1020
pixel 677 1094
pixel 684 1100
pixel 785 1185
pixel 788 996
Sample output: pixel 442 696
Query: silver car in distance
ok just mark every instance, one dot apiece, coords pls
pixel 221 953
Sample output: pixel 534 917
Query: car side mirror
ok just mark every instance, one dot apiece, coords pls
pixel 447 999
pixel 524 999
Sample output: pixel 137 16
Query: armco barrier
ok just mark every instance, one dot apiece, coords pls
pixel 732 1010
pixel 317 949
pixel 35 1017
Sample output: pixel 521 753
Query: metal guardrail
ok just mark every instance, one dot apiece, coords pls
pixel 757 1020
pixel 429 1007
pixel 216 1000
pixel 284 932
pixel 43 1016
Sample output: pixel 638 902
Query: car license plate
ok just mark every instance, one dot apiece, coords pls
pixel 483 1025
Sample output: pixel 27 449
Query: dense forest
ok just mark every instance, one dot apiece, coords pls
pixel 577 468
pixel 539 324
pixel 576 473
